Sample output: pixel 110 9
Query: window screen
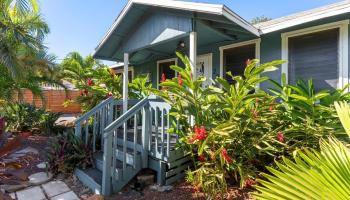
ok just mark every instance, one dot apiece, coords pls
pixel 235 60
pixel 164 68
pixel 315 56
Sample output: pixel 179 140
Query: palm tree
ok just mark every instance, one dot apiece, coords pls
pixel 22 31
pixel 24 61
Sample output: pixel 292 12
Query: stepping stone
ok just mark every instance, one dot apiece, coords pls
pixel 41 165
pixel 13 188
pixel 40 178
pixel 55 188
pixel 34 193
pixel 66 196
pixel 13 195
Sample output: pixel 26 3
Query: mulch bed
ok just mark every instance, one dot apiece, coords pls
pixel 182 191
pixel 16 171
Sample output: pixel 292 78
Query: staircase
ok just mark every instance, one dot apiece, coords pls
pixel 125 143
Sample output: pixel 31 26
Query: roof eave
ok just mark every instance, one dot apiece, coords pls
pixel 214 9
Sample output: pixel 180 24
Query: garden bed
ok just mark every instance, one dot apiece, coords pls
pixel 20 160
pixel 180 191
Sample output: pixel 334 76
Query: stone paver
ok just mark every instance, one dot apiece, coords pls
pixel 66 196
pixel 34 193
pixel 55 188
pixel 40 178
pixel 41 165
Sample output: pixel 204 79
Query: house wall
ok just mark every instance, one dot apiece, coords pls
pixel 271 44
pixel 270 49
pixel 155 28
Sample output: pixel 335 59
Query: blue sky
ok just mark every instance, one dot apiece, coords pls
pixel 79 25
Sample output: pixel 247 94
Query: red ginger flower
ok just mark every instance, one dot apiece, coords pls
pixel 90 82
pixel 280 137
pixel 249 183
pixel 86 92
pixel 163 78
pixel 110 94
pixel 179 80
pixel 200 133
pixel 225 155
pixel 201 158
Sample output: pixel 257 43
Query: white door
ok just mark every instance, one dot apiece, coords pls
pixel 204 67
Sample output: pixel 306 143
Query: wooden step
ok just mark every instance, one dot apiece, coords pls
pixel 91 178
pixel 98 157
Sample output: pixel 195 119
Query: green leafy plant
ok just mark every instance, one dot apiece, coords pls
pixel 68 152
pixel 230 137
pixel 314 174
pixel 26 117
pixel 232 131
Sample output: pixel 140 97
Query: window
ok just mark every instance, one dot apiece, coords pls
pixel 119 72
pixel 315 56
pixel 234 57
pixel 319 53
pixel 165 70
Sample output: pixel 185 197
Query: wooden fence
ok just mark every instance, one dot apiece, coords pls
pixel 54 100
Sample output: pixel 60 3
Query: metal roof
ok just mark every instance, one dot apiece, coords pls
pixel 304 17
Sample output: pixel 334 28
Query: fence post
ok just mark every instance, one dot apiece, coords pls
pixel 145 134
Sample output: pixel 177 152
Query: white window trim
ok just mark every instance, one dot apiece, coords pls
pixel 343 47
pixel 257 43
pixel 121 71
pixel 211 65
pixel 163 61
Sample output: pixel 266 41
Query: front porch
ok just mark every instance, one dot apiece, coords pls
pixel 126 135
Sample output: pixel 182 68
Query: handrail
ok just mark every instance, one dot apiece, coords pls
pixel 125 117
pixel 94 110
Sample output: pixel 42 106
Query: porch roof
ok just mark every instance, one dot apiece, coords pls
pixel 214 22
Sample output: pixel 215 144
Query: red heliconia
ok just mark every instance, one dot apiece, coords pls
pixel 86 92
pixel 179 80
pixel 248 62
pixel 90 82
pixel 225 155
pixel 162 78
pixel 280 137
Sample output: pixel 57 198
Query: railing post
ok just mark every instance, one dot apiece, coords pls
pixel 145 134
pixel 106 172
pixel 78 130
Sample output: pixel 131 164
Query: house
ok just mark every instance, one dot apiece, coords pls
pixel 145 37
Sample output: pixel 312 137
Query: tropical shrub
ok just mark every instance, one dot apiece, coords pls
pixel 23 117
pixel 68 152
pixel 234 130
pixel 314 174
pixel 307 115
pixel 97 81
